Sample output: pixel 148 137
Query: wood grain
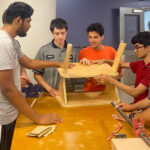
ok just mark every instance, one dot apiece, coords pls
pixel 84 71
pixel 129 144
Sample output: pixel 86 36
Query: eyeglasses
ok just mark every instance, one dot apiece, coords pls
pixel 138 47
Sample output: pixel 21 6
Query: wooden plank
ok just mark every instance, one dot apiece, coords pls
pixel 62 85
pixel 66 61
pixel 78 99
pixel 62 98
pixel 129 144
pixel 84 71
pixel 118 57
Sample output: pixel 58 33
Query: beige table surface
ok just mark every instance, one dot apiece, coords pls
pixel 84 128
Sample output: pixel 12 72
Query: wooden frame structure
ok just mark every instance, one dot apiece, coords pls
pixel 81 71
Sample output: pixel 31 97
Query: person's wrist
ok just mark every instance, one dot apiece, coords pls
pixel 59 64
pixel 37 118
pixel 131 107
pixel 120 65
pixel 104 60
pixel 50 89
pixel 111 80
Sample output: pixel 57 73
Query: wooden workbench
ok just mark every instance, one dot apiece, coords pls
pixel 84 128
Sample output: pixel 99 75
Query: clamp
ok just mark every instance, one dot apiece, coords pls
pixel 118 136
pixel 115 132
pixel 138 127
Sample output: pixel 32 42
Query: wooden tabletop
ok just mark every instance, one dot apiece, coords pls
pixel 84 128
pixel 87 71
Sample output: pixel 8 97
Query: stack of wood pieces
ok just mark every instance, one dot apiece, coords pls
pixel 42 131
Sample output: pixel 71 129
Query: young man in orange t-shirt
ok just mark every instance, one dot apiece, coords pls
pixel 95 52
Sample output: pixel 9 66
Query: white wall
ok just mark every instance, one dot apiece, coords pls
pixel 39 33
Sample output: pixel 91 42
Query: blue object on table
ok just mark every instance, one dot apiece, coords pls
pixel 32 90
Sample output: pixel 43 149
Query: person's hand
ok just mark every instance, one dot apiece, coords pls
pixel 24 81
pixel 85 61
pixel 70 65
pixel 118 117
pixel 48 119
pixel 125 106
pixel 53 92
pixel 99 62
pixel 102 79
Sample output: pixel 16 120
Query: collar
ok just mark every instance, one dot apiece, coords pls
pixel 146 66
pixel 55 46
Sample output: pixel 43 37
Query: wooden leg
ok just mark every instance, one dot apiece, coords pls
pixel 62 91
pixel 112 90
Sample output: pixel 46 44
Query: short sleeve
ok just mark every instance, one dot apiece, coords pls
pixel 133 66
pixel 146 80
pixel 7 55
pixel 18 49
pixel 149 92
pixel 39 56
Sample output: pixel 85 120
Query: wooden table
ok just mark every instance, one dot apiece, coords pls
pixel 84 128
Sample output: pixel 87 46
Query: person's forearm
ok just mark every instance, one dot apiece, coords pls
pixel 124 65
pixel 23 71
pixel 127 89
pixel 41 81
pixel 119 76
pixel 141 104
pixel 121 64
pixel 110 62
pixel 38 64
pixel 144 114
pixel 18 101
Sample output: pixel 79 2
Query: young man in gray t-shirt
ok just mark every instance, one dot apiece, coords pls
pixel 54 51
pixel 16 20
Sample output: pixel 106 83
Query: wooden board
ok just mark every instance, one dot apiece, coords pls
pixel 62 91
pixel 84 71
pixel 118 57
pixel 83 128
pixel 66 61
pixel 77 99
pixel 129 144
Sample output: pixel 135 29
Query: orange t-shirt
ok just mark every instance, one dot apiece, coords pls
pixel 92 54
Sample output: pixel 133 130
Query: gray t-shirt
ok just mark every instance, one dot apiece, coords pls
pixel 50 52
pixel 10 53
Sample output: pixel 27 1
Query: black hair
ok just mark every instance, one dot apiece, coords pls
pixel 97 27
pixel 3 17
pixel 58 23
pixel 141 38
pixel 15 10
